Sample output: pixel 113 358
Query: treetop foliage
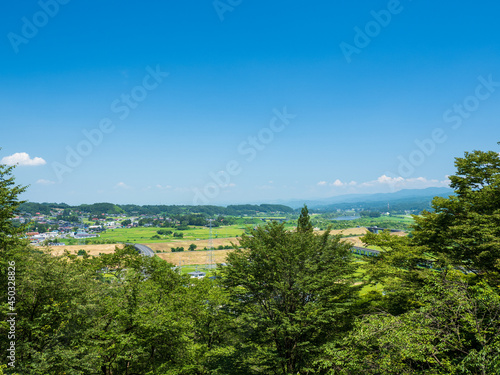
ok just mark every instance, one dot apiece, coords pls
pixel 9 203
pixel 465 228
pixel 304 222
pixel 291 289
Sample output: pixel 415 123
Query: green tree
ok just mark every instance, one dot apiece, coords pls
pixel 453 331
pixel 126 222
pixel 290 293
pixel 192 247
pixel 118 313
pixel 304 222
pixel 440 310
pixel 12 250
pixel 82 253
pixel 464 229
pixel 9 205
pixel 214 328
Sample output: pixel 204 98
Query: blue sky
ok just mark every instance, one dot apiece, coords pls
pixel 243 101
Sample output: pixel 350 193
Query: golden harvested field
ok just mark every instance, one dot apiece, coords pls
pixel 90 249
pixel 350 231
pixel 166 246
pixel 194 257
pixel 355 241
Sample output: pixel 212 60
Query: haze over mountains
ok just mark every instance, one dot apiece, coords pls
pixel 405 195
pixel 414 200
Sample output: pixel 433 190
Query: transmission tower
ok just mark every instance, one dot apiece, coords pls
pixel 210 252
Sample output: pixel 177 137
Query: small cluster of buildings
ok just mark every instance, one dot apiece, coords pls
pixel 53 238
pixel 36 237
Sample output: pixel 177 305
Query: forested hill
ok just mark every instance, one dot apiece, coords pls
pixel 132 209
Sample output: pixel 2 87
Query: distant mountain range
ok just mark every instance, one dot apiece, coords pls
pixel 403 200
pixel 418 196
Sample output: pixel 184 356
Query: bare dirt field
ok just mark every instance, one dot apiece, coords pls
pixel 346 232
pixel 194 257
pixel 350 231
pixel 355 241
pixel 200 244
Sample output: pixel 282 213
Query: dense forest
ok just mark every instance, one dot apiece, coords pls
pixel 286 302
pixel 133 210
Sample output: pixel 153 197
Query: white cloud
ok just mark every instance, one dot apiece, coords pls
pixel 337 183
pixel 446 182
pixel 161 187
pixel 22 159
pixel 382 184
pixel 406 183
pixel 45 182
pixel 422 182
pixel 122 185
pixel 390 180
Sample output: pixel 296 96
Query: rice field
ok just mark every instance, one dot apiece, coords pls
pixel 145 235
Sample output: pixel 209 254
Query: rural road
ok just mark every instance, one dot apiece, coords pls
pixel 144 250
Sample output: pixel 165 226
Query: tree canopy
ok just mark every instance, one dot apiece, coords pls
pixel 465 228
pixel 291 292
pixel 440 309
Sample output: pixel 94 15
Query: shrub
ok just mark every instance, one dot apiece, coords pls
pixel 164 232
